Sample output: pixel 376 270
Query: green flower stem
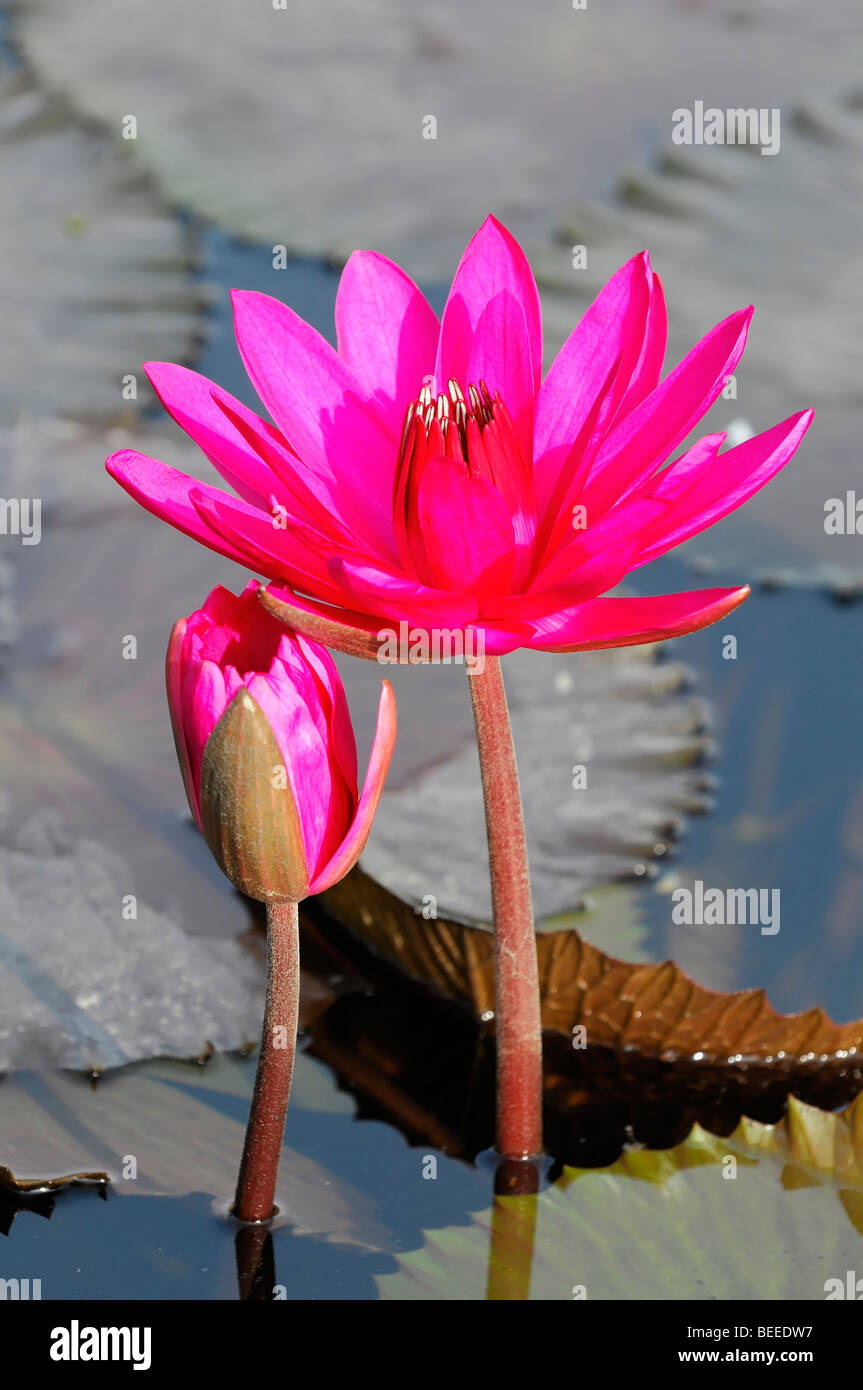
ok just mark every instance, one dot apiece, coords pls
pixel 517 1004
pixel 256 1185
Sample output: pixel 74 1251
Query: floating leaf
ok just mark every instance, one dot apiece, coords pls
pixel 720 205
pixel 771 1212
pixel 610 750
pixel 84 727
pixel 646 1012
pixel 91 977
pixel 94 270
pixel 709 216
pixel 184 1136
pixel 266 122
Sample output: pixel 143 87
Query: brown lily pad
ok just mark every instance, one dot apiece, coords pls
pixel 644 1012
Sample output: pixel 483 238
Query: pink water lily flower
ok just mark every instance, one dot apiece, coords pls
pixel 267 750
pixel 426 472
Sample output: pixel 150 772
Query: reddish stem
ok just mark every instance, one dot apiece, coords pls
pixel 256 1185
pixel 517 1005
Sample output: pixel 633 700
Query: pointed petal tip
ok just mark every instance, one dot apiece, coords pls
pixel 243 300
pixel 238 299
pixel 610 622
pixel 492 223
pixel 114 463
pixel 178 630
pixel 388 714
pixel 160 376
pixel 165 372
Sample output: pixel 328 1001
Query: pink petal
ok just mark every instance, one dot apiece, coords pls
pixel 387 332
pixel 636 447
pixel 313 395
pixel 626 523
pixel 379 761
pixel 188 398
pixel 343 745
pixel 249 453
pixel 648 368
pixel 204 701
pixel 493 265
pixel 627 622
pixel 497 639
pixel 220 606
pixel 294 553
pixel 466 529
pixel 166 492
pixel 174 686
pixel 321 798
pixel 396 597
pixel 676 482
pixel 557 522
pixel 577 574
pixel 333 507
pixel 499 355
pixel 612 333
pixel 639 518
pixel 733 478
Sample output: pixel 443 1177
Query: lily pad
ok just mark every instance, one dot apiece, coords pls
pixel 184 1137
pixel 644 1013
pixel 611 747
pixel 94 268
pixel 710 216
pixel 276 122
pixel 769 1213
pixel 91 977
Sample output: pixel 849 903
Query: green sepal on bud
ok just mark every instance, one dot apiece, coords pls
pixel 248 812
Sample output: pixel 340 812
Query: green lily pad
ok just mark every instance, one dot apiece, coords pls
pixel 770 1213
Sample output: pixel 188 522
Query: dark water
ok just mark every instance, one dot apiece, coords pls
pixel 788 808
pixel 138 1247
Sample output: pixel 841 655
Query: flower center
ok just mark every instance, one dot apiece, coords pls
pixel 461 484
pixel 477 431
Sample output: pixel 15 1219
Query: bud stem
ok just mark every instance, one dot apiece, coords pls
pixel 517 1003
pixel 256 1185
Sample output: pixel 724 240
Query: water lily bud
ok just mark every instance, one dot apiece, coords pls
pixel 267 751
